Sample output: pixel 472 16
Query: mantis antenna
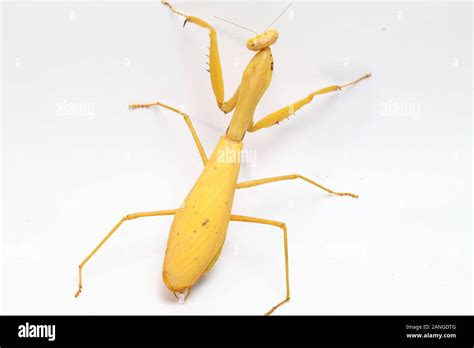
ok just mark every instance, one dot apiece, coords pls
pixel 281 14
pixel 225 20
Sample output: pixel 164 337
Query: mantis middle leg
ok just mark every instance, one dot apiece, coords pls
pixel 258 182
pixel 186 119
pixel 125 218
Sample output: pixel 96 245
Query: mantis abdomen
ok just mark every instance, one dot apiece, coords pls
pixel 200 225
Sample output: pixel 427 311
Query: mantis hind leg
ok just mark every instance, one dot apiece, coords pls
pixel 285 244
pixel 102 242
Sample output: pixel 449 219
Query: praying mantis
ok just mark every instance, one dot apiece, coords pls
pixel 199 227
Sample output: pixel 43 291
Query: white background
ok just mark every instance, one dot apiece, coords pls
pixel 402 140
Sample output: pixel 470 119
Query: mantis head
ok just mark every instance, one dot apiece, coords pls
pixel 261 41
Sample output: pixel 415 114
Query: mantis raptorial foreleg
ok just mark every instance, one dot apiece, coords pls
pixel 287 111
pixel 215 68
pixel 229 105
pixel 186 119
pixel 252 183
pixel 285 244
pixel 125 218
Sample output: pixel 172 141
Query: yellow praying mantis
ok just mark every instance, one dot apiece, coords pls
pixel 199 227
